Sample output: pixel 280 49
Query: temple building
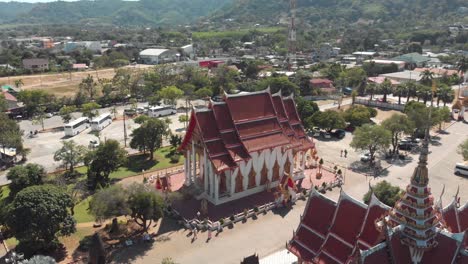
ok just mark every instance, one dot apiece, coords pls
pixel 416 230
pixel 244 144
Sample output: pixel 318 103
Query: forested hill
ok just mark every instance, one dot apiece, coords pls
pixel 344 12
pixel 116 12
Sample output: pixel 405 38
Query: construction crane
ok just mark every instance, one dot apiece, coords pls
pixel 291 57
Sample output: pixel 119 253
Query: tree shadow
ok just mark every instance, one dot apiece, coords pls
pixel 282 211
pixel 129 254
pixel 138 163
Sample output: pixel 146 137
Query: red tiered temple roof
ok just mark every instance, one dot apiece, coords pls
pixel 246 123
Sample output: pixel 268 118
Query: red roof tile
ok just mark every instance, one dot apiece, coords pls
pixel 379 256
pixel 309 239
pixel 250 107
pixel 369 234
pixel 319 214
pixel 445 251
pixel 324 259
pixel 207 124
pixel 463 217
pixel 348 220
pixel 255 128
pixel 337 249
pixel 9 97
pixel 223 116
pixel 300 251
pixel 291 111
pixel 450 215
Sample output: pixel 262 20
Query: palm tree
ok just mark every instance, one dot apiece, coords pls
pixel 19 83
pixel 462 65
pixel 400 90
pixel 411 90
pixel 424 92
pixel 426 77
pixel 386 88
pixel 371 88
pixel 444 93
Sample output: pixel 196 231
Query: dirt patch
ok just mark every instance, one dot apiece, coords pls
pixel 383 114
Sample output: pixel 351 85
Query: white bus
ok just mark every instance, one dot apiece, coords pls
pixel 162 111
pixel 75 127
pixel 461 169
pixel 100 122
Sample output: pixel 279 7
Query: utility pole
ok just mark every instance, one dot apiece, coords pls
pixel 125 131
pixel 291 58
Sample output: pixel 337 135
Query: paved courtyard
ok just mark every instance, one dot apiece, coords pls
pixel 270 232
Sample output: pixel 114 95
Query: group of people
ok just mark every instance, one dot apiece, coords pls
pixel 345 152
pixel 194 230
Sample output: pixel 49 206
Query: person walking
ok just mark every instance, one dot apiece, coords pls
pixel 195 231
pixel 345 153
pixel 209 234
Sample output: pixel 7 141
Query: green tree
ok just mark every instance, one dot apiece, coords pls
pixel 445 93
pixel 385 192
pixel 223 80
pixel 19 83
pixel 371 89
pixel 184 119
pixel 281 83
pixel 38 215
pixel 145 204
pixel 175 141
pixel 168 261
pixel 21 177
pixel 441 115
pixel 39 117
pixel 252 70
pixel 385 88
pixel 88 86
pixel 418 113
pixel 108 157
pixel 357 115
pixel 426 77
pixel 411 90
pixel 328 120
pixel 423 92
pixel 90 110
pixel 400 91
pixel 70 154
pixel 149 136
pixel 371 138
pixel 109 203
pixel 3 103
pixel 204 93
pixel 306 109
pixel 65 113
pixel 39 259
pixel 10 134
pixel 398 125
pixel 170 94
pixel 463 149
pixel 141 119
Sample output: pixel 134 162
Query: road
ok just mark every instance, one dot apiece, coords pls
pixel 269 233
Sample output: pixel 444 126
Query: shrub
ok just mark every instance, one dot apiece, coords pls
pixel 175 158
pixel 255 209
pixel 221 221
pixel 232 218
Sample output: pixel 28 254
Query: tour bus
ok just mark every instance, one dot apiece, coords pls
pixel 100 122
pixel 461 169
pixel 162 111
pixel 75 127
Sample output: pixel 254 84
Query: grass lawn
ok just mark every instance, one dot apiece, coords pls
pixel 82 214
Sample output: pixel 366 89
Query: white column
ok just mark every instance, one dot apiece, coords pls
pixel 233 181
pixel 205 171
pixel 303 160
pixel 216 188
pixel 188 170
pixel 194 162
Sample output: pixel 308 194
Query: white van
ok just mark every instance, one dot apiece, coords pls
pixel 461 169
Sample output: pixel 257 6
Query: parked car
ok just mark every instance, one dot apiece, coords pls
pixel 412 140
pixel 49 115
pixel 366 157
pixel 325 135
pixel 339 133
pixel 129 112
pixel 93 144
pixel 461 169
pixel 406 145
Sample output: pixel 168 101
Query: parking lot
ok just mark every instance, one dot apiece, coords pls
pixel 45 144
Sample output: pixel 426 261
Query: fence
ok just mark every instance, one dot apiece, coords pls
pixel 380 104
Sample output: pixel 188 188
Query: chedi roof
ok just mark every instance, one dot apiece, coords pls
pixel 416 230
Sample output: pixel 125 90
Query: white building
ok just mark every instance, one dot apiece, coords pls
pixel 157 56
